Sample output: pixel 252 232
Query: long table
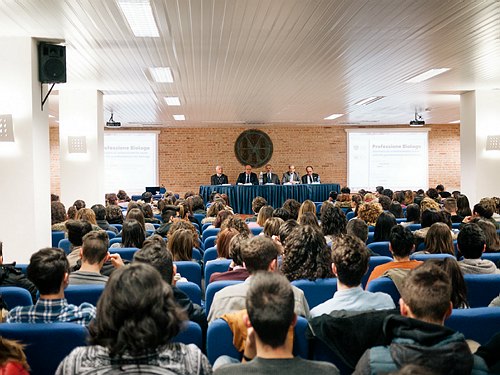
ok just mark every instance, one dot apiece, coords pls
pixel 241 196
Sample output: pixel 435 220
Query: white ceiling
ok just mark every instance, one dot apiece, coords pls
pixel 273 61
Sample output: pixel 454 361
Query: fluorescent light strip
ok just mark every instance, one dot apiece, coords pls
pixel 172 100
pixel 140 17
pixel 427 75
pixel 334 116
pixel 162 74
pixel 179 117
pixel 455 122
pixel 369 100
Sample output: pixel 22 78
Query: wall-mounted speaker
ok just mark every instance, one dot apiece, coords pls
pixel 51 63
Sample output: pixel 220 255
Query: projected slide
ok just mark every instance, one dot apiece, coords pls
pixel 130 161
pixel 394 159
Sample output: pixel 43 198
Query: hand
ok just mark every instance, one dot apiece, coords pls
pixel 467 219
pixel 250 347
pixel 116 260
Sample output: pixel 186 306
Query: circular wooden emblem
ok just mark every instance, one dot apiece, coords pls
pixel 253 147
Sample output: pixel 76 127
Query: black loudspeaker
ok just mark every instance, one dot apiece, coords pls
pixel 51 63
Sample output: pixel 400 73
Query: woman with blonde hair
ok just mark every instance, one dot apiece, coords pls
pixel 180 244
pixel 265 213
pixel 369 212
pixel 88 215
pixel 306 206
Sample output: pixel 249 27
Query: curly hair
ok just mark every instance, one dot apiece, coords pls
pixel 306 255
pixel 136 313
pixel 429 204
pixel 333 220
pixel 369 212
pixel 57 212
pixel 237 223
pixel 350 256
pixel 292 206
pixel 214 209
pixel 221 217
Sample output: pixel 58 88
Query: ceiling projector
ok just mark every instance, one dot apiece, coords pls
pixel 112 123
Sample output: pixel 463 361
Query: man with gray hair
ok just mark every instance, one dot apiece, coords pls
pixel 218 178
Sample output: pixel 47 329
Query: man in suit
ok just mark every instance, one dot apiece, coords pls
pixel 247 177
pixel 270 177
pixel 310 177
pixel 218 178
pixel 291 176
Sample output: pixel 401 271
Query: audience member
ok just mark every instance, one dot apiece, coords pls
pixel 79 204
pixel 471 243
pixel 344 202
pixel 333 221
pixel 350 263
pixel 149 217
pixel 49 272
pixel 180 244
pixel 293 207
pixel 412 215
pixel 237 269
pixel 100 217
pixel 265 213
pixel 357 228
pixel 169 213
pixel 306 206
pixel 272 227
pixel 286 229
pixel 490 232
pixel 282 213
pixel 385 202
pixel 137 319
pixel 11 276
pixel 212 212
pixel 114 214
pixel 88 215
pixel 12 358
pixel 396 209
pixel 439 240
pixel 221 217
pixel 385 222
pixel 408 198
pixel 237 223
pixel 136 214
pixel 450 207
pixel 257 204
pixel 223 240
pixel 369 212
pixel 308 218
pixel 463 206
pixel 58 216
pixel 332 196
pixel 76 230
pixel 133 235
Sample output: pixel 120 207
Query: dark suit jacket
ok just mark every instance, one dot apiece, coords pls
pixel 274 179
pixel 216 180
pixel 242 178
pixel 286 177
pixel 315 177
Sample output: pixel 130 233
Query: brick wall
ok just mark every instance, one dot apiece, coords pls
pixel 55 168
pixel 187 157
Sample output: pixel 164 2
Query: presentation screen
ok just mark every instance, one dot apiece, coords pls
pixel 130 161
pixel 396 159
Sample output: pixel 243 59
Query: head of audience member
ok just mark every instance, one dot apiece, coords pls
pixel 99 211
pixel 196 203
pixel 333 220
pixel 471 241
pixel 224 238
pixel 293 207
pixel 490 233
pixel 429 204
pixel 111 199
pixel 215 208
pixel 357 228
pixel 345 190
pixel 76 230
pixel 95 248
pixel 455 193
pixel 306 255
pixel 114 214
pixel 155 253
pixel 432 194
pixel 438 240
pixel 450 206
pixel 57 212
pixel 184 210
pixel 136 214
pixel 272 226
pixel 270 304
pixel 181 224
pixel 180 244
pixel 282 213
pixel 79 204
pixel 225 197
pixel 258 203
pixel 86 214
pixel 458 287
pixel 122 196
pixel 356 200
pixel 408 197
pixel 401 243
pixel 385 202
pixel 379 190
pixel 426 295
pixel 413 213
pixel 332 196
pixel 307 206
pixel 369 197
pixel 131 205
pixel 497 204
pixel 383 227
pixel 309 218
pixel 235 246
pixel 147 211
pixel 133 234
pixel 265 213
pixel 260 253
pixel 221 217
pixel 482 210
pixel 72 211
pixel 237 223
pixel 344 197
pixel 399 196
pixel 188 194
pixel 54 198
pixel 388 193
pixel 48 271
pixel 369 212
pixel 137 313
pixel 147 197
pixel 350 258
pixel 285 229
pixel 396 209
pixel 440 188
pixel 463 206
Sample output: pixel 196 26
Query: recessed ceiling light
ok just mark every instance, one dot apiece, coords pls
pixel 179 117
pixel 455 122
pixel 162 74
pixel 369 100
pixel 428 74
pixel 140 17
pixel 334 116
pixel 172 100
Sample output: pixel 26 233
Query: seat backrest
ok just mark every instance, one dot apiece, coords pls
pixel 15 296
pixel 478 324
pixel 209 241
pixel 220 265
pixel 115 240
pixel 401 220
pixel 78 294
pixel 420 246
pixel 209 232
pixel 46 345
pixel 373 262
pixel 111 234
pixel 205 226
pixel 199 217
pixel 190 270
pixel 56 237
pixel 213 288
pixel 482 289
pixel 381 248
pixel 220 340
pixel 190 334
pixel 256 230
pixel 118 226
pixel 349 215
pixel 192 290
pixel 317 291
pixel 414 227
pixel 494 257
pixel 196 254
pixel 424 257
pixel 126 253
pixel 369 240
pixel 209 254
pixel 385 285
pixel 65 245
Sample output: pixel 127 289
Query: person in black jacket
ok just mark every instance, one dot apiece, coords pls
pixel 247 177
pixel 219 178
pixel 11 276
